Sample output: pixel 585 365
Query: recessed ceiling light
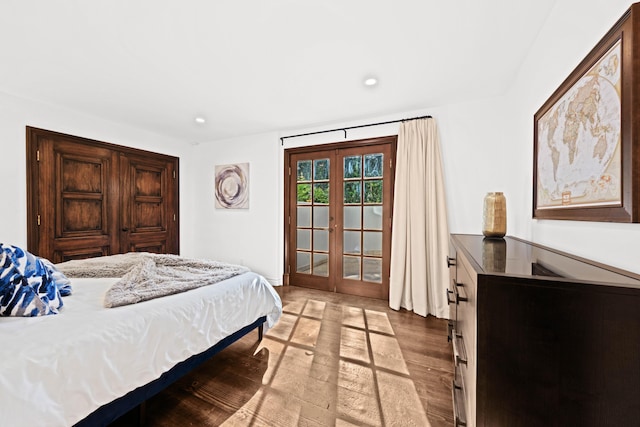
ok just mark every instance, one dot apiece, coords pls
pixel 370 81
pixel 200 120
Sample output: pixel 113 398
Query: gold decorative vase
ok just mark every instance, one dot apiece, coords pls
pixel 494 219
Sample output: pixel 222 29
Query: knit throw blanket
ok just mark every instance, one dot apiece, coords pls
pixel 145 276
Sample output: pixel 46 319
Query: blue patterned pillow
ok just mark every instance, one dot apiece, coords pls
pixel 61 281
pixel 29 285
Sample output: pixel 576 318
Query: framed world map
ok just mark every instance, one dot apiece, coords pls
pixel 579 141
pixel 584 137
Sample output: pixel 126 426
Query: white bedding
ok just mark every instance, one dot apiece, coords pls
pixel 56 370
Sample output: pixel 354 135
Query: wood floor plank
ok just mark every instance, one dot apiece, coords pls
pixel 332 360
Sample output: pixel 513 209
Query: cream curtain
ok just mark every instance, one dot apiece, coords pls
pixel 420 239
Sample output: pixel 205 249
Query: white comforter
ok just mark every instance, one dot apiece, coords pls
pixel 56 370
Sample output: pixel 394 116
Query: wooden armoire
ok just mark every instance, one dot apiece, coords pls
pixel 87 198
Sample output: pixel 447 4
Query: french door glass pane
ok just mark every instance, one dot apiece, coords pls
pixel 352 242
pixel 372 245
pixel 321 216
pixel 321 170
pixel 372 269
pixel 352 192
pixel 373 165
pixel 352 217
pixel 351 267
pixel 303 262
pixel 321 192
pixel 320 264
pixel 304 216
pixel 352 168
pixel 304 170
pixel 303 239
pixel 321 240
pixel 373 217
pixel 373 191
pixel 304 193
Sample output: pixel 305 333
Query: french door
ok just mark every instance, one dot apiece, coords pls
pixel 339 208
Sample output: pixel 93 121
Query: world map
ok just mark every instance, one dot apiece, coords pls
pixel 578 140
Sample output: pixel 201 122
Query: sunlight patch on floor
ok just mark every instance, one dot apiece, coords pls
pixel 353 344
pixel 362 380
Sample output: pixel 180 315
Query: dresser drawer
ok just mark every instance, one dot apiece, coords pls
pixel 459 399
pixel 459 349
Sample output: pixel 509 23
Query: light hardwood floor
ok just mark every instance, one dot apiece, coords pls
pixel 332 360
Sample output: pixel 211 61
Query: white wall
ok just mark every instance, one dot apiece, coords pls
pixel 17 113
pixel 571 31
pixel 251 236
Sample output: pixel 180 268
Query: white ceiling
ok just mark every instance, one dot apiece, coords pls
pixel 252 66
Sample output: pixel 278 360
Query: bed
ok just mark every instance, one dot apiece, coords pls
pixel 89 364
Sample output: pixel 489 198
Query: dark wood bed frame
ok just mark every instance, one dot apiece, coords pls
pixel 113 410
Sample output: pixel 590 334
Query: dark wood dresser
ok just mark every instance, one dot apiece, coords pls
pixel 541 337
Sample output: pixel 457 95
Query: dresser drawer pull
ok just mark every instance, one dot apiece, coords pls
pixel 459 412
pixel 459 351
pixel 450 328
pixel 449 300
pixel 450 261
pixel 461 294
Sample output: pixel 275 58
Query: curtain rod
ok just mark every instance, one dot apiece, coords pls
pixel 282 138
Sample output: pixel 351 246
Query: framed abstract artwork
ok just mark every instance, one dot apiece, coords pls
pixel 232 186
pixel 586 135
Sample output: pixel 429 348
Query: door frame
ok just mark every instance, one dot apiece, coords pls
pixel 390 139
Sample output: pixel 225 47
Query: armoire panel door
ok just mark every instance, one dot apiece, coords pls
pixel 148 217
pixel 77 186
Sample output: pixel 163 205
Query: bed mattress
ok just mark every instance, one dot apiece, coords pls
pixel 56 370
